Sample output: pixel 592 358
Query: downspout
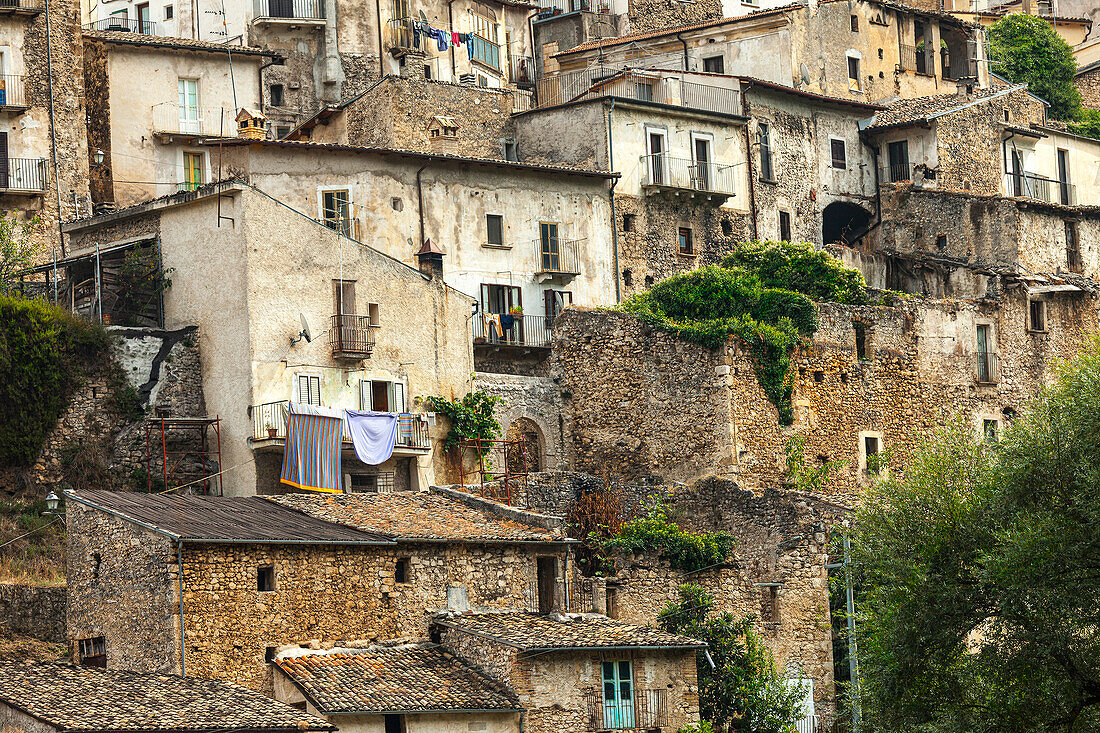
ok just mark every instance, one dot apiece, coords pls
pixel 681 40
pixel 451 21
pixel 53 132
pixel 420 201
pixel 534 49
pixel 381 61
pixel 748 159
pixel 614 216
pixel 183 648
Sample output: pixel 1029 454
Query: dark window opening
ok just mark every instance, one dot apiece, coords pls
pixel 612 603
pixel 394 723
pixel 269 654
pixel 941 242
pixel 511 152
pixel 989 430
pixel 784 226
pixel 1006 115
pixel 819 377
pixel 764 139
pixel 628 278
pixel 844 377
pixel 843 223
pixel 281 131
pixel 1073 250
pixel 863 350
pixel 97 560
pixel 897 157
pixel 401 571
pixel 685 245
pixel 714 65
pixel 769 603
pixel 169 12
pixel 853 73
pixel 265 578
pixel 628 222
pixel 276 91
pixel 547 571
pixel 1037 315
pixel 300 705
pixel 1009 414
pixel 839 153
pixel 494 230
pixel 427 71
pixel 727 228
pixel 870 449
pixel 855 24
pixel 93 651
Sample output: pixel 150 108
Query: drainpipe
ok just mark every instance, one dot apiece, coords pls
pixel 53 133
pixel 748 157
pixel 183 648
pixel 420 201
pixel 681 40
pixel 614 216
pixel 535 50
pixel 381 62
pixel 451 21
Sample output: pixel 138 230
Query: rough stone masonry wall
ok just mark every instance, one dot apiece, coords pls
pixel 528 401
pixel 653 15
pixel 1089 86
pixel 33 610
pixel 121 586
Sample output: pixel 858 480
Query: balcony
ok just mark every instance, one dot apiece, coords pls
pixel 917 58
pixel 485 51
pixel 662 172
pixel 550 8
pixel 557 256
pixel 399 36
pixel 521 70
pixel 1029 185
pixel 292 12
pixel 269 429
pixel 122 24
pixel 24 176
pixel 351 336
pixel 669 89
pixel 532 332
pixel 13 93
pixel 22 7
pixel 647 709
pixel 169 120
pixel 987 368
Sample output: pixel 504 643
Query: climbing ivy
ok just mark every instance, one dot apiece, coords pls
pixel 44 353
pixel 764 294
pixel 471 417
pixel 684 550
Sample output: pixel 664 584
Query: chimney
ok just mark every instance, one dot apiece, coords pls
pixel 430 258
pixel 443 135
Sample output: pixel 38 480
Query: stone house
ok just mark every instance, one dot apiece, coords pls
pixel 151 102
pixel 37 697
pixel 232 579
pixel 581 672
pixel 1087 81
pixel 411 687
pixel 274 274
pixel 868 50
pixel 680 142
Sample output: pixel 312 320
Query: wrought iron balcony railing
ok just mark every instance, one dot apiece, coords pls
pixel 664 171
pixel 661 89
pixel 287 10
pixel 558 7
pixel 269 423
pixel 521 69
pixel 122 24
pixel 501 329
pixel 351 336
pixel 24 175
pixel 558 256
pixel 644 710
pixel 987 367
pixel 1032 186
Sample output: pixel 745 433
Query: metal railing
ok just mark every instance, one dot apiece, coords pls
pixel 1046 189
pixel 653 87
pixel 663 171
pixel 558 255
pixel 897 173
pixel 25 174
pixel 168 118
pixel 808 724
pixel 558 7
pixel 26 5
pixel 125 25
pixel 13 90
pixel 399 33
pixel 645 709
pixel 987 367
pixel 288 9
pixel 351 335
pixel 521 69
pixel 520 330
pixel 917 58
pixel 484 50
pixel 269 423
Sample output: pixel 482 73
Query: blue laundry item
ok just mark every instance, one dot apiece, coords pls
pixel 373 434
pixel 470 47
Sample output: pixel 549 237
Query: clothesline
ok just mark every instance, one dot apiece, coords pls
pixel 444 39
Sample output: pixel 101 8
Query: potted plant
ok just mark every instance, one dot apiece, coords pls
pixel 515 310
pixel 272 431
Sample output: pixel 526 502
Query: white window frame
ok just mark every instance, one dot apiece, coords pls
pixel 712 169
pixel 398 392
pixel 503 230
pixel 187 124
pixel 322 190
pixel 863 435
pixel 663 160
pixel 297 387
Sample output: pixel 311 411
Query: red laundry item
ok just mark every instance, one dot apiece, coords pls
pixel 454 38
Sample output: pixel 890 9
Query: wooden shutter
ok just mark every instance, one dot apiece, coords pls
pixel 366 399
pixel 397 403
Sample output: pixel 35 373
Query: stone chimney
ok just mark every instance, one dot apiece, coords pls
pixel 443 135
pixel 430 258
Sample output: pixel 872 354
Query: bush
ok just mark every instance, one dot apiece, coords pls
pixel 684 550
pixel 471 417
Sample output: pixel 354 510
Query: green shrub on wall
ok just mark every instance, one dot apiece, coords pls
pixel 44 351
pixel 764 294
pixel 685 550
pixel 471 417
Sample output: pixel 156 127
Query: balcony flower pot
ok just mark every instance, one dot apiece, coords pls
pixel 479 339
pixel 272 432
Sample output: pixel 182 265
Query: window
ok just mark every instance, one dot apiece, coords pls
pixel 500 298
pixel 265 578
pixel 510 151
pixel 1065 189
pixel 1073 251
pixel 839 154
pixel 309 389
pixel 855 24
pixel 269 654
pixel 401 570
pixel 987 361
pixel 643 91
pixel 336 210
pixel 714 64
pixel 192 171
pixel 764 140
pixel 1005 114
pixel 897 156
pixel 546 569
pixel 1037 315
pixel 618 695
pixel 727 228
pixel 144 25
pixel 655 142
pixel 941 242
pixel 343 297
pixel 989 430
pixel 685 245
pixel 550 246
pixel 382 395
pixel 853 74
pixel 281 131
pixel 93 652
pixel 427 71
pixel 189 106
pixel 864 352
pixel 169 12
pixel 769 602
pixel 369 483
pixel 276 95
pixel 483 21
pixel 394 723
pixel 494 230
pixel 701 163
pixel 871 448
pixel 555 302
pixel 628 222
pixel 784 226
pixel 97 561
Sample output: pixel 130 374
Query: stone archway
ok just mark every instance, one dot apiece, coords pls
pixel 841 222
pixel 535 446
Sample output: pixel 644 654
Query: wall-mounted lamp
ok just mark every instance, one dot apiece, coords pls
pixel 97 157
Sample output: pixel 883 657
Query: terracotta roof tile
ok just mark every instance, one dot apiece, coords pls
pixel 414 515
pixel 922 109
pixel 183 44
pixel 396 679
pixel 529 631
pixel 77 699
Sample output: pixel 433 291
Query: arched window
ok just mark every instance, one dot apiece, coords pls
pixel 483 21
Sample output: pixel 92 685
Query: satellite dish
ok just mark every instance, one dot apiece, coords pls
pixel 305 333
pixel 805 71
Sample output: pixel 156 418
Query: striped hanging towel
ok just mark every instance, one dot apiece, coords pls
pixel 311 458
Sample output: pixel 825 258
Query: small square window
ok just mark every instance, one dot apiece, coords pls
pixel 265 578
pixel 686 246
pixel 714 64
pixel 427 71
pixel 855 24
pixel 269 654
pixel 169 12
pixel 839 152
pixel 93 651
pixel 941 242
pixel 401 570
pixel 510 151
pixel 281 131
pixel 1006 115
pixel 628 222
pixel 1037 315
pixel 989 430
pixel 276 95
pixel 864 352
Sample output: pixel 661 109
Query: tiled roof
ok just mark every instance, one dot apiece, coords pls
pixel 923 109
pixel 529 631
pixel 395 679
pixel 75 699
pixel 221 519
pixel 183 44
pixel 414 515
pixel 824 98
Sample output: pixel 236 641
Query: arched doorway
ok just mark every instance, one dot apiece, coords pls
pixel 841 222
pixel 528 431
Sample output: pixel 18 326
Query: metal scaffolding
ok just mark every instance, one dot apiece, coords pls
pixel 180 453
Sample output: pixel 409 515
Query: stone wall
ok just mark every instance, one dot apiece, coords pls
pixel 97 98
pixel 1089 86
pixel 654 15
pixel 33 610
pixel 530 404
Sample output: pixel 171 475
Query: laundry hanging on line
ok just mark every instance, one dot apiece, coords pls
pixel 373 434
pixel 311 458
pixel 444 39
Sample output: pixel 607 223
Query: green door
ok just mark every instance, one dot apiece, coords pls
pixel 618 695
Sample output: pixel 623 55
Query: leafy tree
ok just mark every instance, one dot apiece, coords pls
pixel 1025 49
pixel 980 569
pixel 743 692
pixel 17 249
